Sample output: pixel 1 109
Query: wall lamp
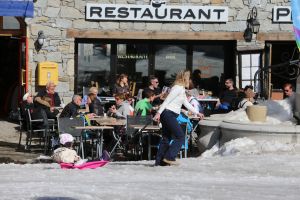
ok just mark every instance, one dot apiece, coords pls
pixel 252 25
pixel 40 40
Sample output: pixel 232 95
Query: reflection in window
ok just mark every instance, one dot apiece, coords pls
pixel 169 60
pixel 209 59
pixel 10 23
pixel 93 66
pixel 132 59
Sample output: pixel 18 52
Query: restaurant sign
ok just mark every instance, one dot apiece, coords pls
pixel 156 12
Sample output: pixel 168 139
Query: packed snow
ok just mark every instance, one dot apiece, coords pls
pixel 241 169
pixel 278 112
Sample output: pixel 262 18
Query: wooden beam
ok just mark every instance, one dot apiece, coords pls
pixel 276 36
pixel 154 35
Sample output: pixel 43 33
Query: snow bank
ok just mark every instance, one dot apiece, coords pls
pixel 246 146
pixel 279 111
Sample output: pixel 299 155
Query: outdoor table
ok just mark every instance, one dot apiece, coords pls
pixel 108 121
pixel 149 129
pixel 99 130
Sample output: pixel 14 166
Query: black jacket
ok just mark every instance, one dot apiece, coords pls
pixel 70 110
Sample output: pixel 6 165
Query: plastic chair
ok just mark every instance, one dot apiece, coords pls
pixel 66 125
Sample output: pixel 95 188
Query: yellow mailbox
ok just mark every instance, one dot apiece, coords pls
pixel 47 71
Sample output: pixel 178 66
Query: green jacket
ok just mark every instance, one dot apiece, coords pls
pixel 144 106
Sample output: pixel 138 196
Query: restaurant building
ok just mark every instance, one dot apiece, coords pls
pixel 94 41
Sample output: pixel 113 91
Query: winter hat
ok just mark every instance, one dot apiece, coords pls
pixel 65 137
pixel 26 96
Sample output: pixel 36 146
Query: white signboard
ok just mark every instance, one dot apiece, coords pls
pixel 282 14
pixel 157 12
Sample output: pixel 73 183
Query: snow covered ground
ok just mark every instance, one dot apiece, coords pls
pixel 243 172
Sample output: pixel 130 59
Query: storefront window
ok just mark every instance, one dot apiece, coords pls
pixel 100 62
pixel 132 59
pixel 94 66
pixel 169 60
pixel 209 59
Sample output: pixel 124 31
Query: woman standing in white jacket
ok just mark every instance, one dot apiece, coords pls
pixel 167 114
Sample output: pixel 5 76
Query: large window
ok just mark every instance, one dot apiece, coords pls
pixel 169 60
pixel 132 59
pixel 209 59
pixel 100 61
pixel 93 65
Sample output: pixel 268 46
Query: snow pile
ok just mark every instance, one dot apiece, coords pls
pixel 278 112
pixel 246 146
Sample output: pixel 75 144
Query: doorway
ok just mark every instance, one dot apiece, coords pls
pixel 12 63
pixel 9 76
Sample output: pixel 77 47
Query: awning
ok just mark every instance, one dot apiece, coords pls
pixel 16 8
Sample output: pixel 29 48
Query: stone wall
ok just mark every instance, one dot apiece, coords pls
pixel 54 17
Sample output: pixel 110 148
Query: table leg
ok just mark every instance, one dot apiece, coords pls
pixel 101 143
pixel 149 146
pixel 99 147
pixel 98 144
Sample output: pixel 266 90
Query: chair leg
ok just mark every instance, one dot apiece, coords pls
pixel 81 147
pixel 46 142
pixel 149 146
pixel 20 137
pixel 30 139
pixel 118 139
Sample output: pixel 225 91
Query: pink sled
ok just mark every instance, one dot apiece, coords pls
pixel 87 165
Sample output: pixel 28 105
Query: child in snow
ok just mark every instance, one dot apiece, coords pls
pixel 66 154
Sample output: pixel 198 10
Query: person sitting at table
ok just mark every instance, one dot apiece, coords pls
pixel 49 92
pixel 193 101
pixel 247 97
pixel 227 97
pixel 121 109
pixel 51 112
pixel 130 100
pixel 72 108
pixel 93 103
pixel 143 107
pixel 121 86
pixel 35 112
pixel 195 81
pixel 153 86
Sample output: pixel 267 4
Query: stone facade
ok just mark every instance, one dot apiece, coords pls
pixel 54 17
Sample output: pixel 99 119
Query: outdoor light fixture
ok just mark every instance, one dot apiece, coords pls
pixel 40 41
pixel 252 25
pixel 41 38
